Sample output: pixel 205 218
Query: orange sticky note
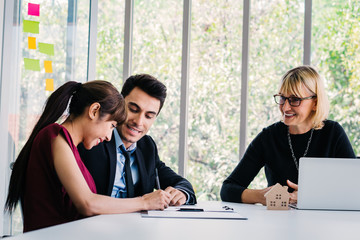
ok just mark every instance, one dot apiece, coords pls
pixel 32 42
pixel 48 66
pixel 49 84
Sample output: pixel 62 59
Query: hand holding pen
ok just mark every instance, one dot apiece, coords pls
pixel 177 197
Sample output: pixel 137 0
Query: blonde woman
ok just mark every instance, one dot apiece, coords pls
pixel 303 131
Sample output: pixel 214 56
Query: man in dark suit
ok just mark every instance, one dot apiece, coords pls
pixel 130 146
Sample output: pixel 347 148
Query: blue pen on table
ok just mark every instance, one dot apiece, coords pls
pixel 157 179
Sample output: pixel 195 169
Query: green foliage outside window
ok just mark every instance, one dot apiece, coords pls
pixel 276 45
pixel 336 52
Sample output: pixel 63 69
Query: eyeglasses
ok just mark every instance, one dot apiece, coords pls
pixel 293 101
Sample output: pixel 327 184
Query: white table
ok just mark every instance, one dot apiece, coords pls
pixel 261 224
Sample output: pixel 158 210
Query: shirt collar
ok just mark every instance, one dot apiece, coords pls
pixel 119 142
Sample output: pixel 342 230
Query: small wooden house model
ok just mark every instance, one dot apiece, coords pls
pixel 277 198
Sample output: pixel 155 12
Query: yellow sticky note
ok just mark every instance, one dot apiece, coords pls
pixel 48 66
pixel 49 84
pixel 32 42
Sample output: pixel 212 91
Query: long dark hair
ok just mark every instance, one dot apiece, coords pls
pixel 80 97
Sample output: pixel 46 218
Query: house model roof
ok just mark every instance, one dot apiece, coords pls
pixel 277 198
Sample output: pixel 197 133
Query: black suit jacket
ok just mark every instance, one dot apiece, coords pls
pixel 101 163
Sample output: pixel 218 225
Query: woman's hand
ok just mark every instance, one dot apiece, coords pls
pixel 255 195
pixel 293 195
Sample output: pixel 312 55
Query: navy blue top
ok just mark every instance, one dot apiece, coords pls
pixel 270 149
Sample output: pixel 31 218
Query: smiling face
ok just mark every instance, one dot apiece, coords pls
pixel 100 130
pixel 300 118
pixel 142 110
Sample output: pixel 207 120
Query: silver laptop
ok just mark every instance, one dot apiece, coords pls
pixel 329 184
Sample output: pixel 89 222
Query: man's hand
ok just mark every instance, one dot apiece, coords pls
pixel 293 195
pixel 177 197
pixel 158 200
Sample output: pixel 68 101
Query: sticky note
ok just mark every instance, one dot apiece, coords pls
pixel 49 84
pixel 48 66
pixel 33 9
pixel 30 26
pixel 46 48
pixel 32 64
pixel 32 42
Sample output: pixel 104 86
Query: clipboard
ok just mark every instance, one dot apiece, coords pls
pixel 194 213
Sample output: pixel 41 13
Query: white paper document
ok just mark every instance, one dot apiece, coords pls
pixel 194 212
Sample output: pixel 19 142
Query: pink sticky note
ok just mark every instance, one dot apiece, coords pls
pixel 33 9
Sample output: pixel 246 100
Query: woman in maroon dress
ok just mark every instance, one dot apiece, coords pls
pixel 49 177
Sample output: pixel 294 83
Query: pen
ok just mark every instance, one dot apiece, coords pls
pixel 157 179
pixel 190 209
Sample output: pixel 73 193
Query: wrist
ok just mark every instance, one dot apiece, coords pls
pixel 252 196
pixel 144 203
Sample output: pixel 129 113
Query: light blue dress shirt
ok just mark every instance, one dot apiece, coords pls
pixel 119 188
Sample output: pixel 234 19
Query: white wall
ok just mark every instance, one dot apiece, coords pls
pixel 2 142
pixel 7 101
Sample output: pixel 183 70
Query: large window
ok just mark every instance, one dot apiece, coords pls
pixel 214 94
pixel 110 41
pixel 57 51
pixel 157 51
pixel 276 45
pixel 336 53
pixel 52 49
